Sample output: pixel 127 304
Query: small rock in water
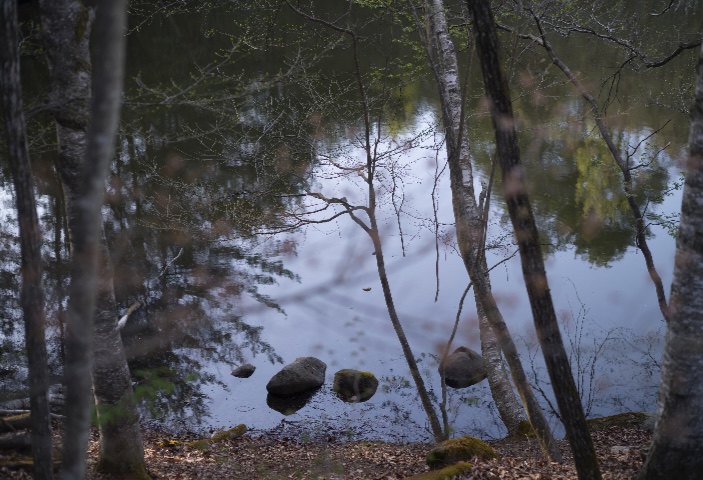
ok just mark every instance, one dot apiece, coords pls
pixel 244 371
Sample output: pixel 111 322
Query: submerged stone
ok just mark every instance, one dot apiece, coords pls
pixel 463 368
pixel 290 404
pixel 354 385
pixel 244 371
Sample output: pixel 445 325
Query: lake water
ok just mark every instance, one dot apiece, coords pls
pixel 332 317
pixel 205 131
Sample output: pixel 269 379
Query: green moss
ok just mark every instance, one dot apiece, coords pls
pixel 354 385
pixel 524 429
pixel 169 442
pixel 235 432
pixel 445 473
pixel 458 450
pixel 82 24
pixel 204 443
pixel 628 419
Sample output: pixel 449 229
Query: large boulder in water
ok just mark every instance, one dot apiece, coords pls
pixel 305 373
pixel 463 368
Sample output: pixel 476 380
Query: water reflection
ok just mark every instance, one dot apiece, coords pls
pixel 216 145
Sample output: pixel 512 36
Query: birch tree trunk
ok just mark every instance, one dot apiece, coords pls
pixel 84 158
pixel 469 228
pixel 32 296
pixel 517 200
pixel 677 446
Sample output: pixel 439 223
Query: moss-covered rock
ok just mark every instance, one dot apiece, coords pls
pixel 354 385
pixel 643 420
pixel 524 429
pixel 445 473
pixel 234 432
pixel 459 450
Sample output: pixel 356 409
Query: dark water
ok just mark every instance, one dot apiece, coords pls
pixel 223 130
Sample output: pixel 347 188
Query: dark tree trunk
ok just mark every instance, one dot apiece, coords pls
pixel 677 447
pixel 469 230
pixel 84 158
pixel 32 296
pixel 515 192
pixel 121 448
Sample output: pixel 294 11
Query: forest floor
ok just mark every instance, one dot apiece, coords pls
pixel 621 451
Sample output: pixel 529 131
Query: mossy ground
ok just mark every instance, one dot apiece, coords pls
pixel 525 429
pixel 628 419
pixel 444 473
pixel 458 450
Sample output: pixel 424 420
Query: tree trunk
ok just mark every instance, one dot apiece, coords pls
pixel 121 448
pixel 509 409
pixel 677 447
pixel 435 425
pixel 515 192
pixel 32 296
pixel 469 227
pixel 84 158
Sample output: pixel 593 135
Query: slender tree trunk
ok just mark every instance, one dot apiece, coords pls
pixel 435 425
pixel 84 158
pixel 539 423
pixel 32 296
pixel 509 409
pixel 121 448
pixel 677 446
pixel 470 227
pixel 515 192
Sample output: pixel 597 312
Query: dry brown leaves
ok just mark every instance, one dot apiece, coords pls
pixel 265 457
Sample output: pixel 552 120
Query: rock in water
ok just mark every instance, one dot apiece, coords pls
pixel 244 371
pixel 290 404
pixel 463 368
pixel 305 373
pixel 354 385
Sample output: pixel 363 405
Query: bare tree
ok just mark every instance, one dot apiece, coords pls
pixel 471 222
pixel 32 296
pixel 677 447
pixel 517 200
pixel 368 171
